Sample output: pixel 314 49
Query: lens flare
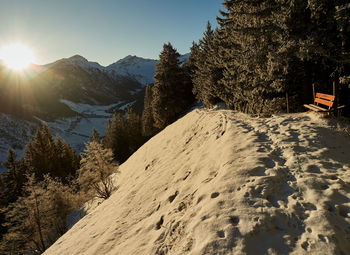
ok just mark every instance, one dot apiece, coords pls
pixel 16 56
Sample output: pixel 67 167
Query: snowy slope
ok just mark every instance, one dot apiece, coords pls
pixel 140 69
pixel 143 70
pixel 219 182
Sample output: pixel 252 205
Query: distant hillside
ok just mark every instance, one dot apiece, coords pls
pixel 73 95
pixel 220 182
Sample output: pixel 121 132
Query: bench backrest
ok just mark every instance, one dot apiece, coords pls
pixel 324 99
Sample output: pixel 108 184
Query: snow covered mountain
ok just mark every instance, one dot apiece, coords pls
pixel 77 60
pixel 140 69
pixel 220 182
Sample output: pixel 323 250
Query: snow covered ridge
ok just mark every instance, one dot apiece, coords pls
pixel 220 182
pixel 140 69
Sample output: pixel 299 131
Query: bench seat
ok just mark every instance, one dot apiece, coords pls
pixel 325 100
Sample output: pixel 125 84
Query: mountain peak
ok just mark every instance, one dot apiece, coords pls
pixel 141 69
pixel 77 58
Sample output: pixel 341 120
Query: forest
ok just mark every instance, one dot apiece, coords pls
pixel 260 53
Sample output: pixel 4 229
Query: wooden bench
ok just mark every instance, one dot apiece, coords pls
pixel 323 99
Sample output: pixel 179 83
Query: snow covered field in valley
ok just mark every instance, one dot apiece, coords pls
pixel 75 130
pixel 220 182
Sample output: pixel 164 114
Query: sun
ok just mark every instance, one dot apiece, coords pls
pixel 16 56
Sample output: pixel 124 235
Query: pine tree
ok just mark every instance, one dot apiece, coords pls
pixel 249 30
pixel 43 155
pixel 11 185
pixel 13 179
pixel 95 136
pixel 171 90
pixel 147 116
pixel 38 218
pixel 116 138
pixel 40 152
pixel 97 166
pixel 207 72
pixel 134 130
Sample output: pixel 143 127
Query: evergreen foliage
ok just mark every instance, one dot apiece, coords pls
pixel 94 176
pixel 124 135
pixel 13 179
pixel 206 72
pixel 148 128
pixel 37 219
pixel 172 90
pixel 116 138
pixel 264 50
pixel 11 184
pixel 45 155
pixel 95 136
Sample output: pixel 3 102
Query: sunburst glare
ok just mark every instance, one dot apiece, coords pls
pixel 16 56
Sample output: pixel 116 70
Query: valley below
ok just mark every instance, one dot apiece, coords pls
pixel 71 95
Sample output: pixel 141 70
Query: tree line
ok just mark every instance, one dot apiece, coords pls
pixel 263 51
pixel 39 190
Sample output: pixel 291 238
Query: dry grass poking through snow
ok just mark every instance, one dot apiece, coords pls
pixel 219 182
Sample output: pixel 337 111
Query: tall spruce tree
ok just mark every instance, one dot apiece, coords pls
pixel 249 30
pixel 13 179
pixel 116 138
pixel 207 70
pixel 95 136
pixel 147 114
pixel 172 91
pixel 134 130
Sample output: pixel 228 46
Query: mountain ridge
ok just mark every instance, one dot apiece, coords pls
pixel 138 68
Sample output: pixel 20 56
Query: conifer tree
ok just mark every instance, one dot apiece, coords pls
pixel 13 179
pixel 43 155
pixel 171 91
pixel 147 115
pixel 116 138
pixel 11 185
pixel 95 136
pixel 97 165
pixel 38 218
pixel 134 130
pixel 40 152
pixel 207 71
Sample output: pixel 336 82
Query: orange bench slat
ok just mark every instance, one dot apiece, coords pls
pixel 325 96
pixel 324 102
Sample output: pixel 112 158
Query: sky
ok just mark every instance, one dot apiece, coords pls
pixel 104 30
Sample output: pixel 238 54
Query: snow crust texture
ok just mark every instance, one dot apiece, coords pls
pixel 219 182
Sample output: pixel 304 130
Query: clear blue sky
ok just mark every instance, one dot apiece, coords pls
pixel 104 30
